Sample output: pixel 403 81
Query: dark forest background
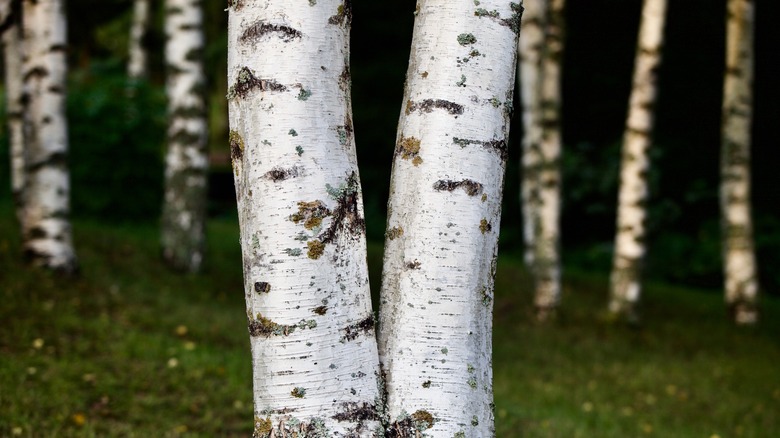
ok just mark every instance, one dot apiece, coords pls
pixel 117 143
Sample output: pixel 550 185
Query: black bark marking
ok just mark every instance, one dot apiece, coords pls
pixel 262 287
pixel 279 174
pixel 258 30
pixel 235 4
pixel 346 216
pixel 320 310
pixel 236 146
pixel 36 72
pixel 498 146
pixel 354 412
pixel 343 14
pixel 57 159
pixel 410 426
pixel 428 105
pixel 352 331
pixel 246 81
pixel 472 188
pixel 413 265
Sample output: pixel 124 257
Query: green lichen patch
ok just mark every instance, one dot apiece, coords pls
pixel 299 150
pixel 316 248
pixel 482 12
pixel 410 426
pixel 362 327
pixel 357 412
pixel 474 421
pixel 320 310
pixel 485 226
pixel 460 434
pixel 472 188
pixel 298 392
pixel 246 82
pixel 394 233
pixel 311 214
pixel 280 174
pixel 409 148
pixel 262 287
pixel 343 14
pixel 422 420
pixel 294 252
pixel 257 31
pixel 513 22
pixel 462 81
pixel 304 94
pixel 264 327
pixel 465 39
pixel 292 132
pixel 484 197
pixel 343 135
pixel 263 427
pixel 236 146
pixel 428 105
pixel 472 382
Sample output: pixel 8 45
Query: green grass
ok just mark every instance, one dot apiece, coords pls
pixel 130 349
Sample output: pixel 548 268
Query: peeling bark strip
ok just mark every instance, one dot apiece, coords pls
pixel 186 161
pixel 434 318
pixel 472 188
pixel 625 280
pixel 739 259
pixel 428 105
pixel 45 199
pixel 258 30
pixel 303 235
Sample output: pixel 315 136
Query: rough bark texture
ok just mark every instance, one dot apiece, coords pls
pixel 541 52
pixel 314 355
pixel 625 281
pixel 443 219
pixel 741 282
pixel 186 162
pixel 45 225
pixel 10 26
pixel 137 65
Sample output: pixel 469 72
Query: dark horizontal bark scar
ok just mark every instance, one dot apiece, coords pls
pixel 498 146
pixel 352 331
pixel 472 188
pixel 258 30
pixel 428 105
pixel 36 72
pixel 352 411
pixel 246 81
pixel 57 159
pixel 280 174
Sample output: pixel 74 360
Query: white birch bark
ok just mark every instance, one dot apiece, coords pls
pixel 443 219
pixel 137 64
pixel 186 161
pixel 10 17
pixel 46 229
pixel 531 47
pixel 625 280
pixel 314 355
pixel 546 264
pixel 741 282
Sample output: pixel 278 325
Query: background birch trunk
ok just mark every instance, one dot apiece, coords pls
pixel 12 58
pixel 300 206
pixel 186 161
pixel 546 264
pixel 45 226
pixel 443 219
pixel 625 280
pixel 137 64
pixel 741 282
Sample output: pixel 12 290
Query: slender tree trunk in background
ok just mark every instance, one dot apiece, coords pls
pixel 546 264
pixel 137 65
pixel 531 47
pixel 625 281
pixel 12 58
pixel 741 280
pixel 46 229
pixel 300 207
pixel 186 162
pixel 443 219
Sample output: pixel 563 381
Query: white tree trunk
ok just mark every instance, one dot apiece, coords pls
pixel 45 225
pixel 314 355
pixel 137 65
pixel 530 73
pixel 625 281
pixel 443 219
pixel 186 162
pixel 12 42
pixel 741 288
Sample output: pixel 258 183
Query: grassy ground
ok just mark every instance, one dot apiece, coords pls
pixel 129 349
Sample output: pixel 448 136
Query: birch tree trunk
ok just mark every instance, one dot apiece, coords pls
pixel 741 282
pixel 12 56
pixel 137 65
pixel 46 229
pixel 186 161
pixel 300 206
pixel 443 219
pixel 625 281
pixel 546 265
